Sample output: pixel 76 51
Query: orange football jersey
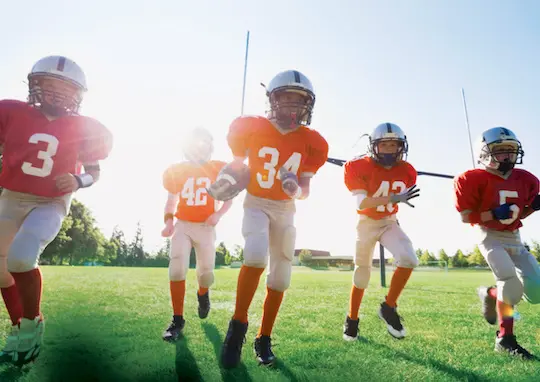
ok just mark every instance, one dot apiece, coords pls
pixel 190 181
pixel 366 174
pixel 302 152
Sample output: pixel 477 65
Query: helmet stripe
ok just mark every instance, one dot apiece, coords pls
pixel 296 77
pixel 61 64
pixel 388 127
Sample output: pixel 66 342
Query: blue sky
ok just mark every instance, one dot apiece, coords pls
pixel 157 70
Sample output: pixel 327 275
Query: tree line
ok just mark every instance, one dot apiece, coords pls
pixel 81 242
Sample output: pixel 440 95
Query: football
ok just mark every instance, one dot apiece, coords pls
pixel 231 180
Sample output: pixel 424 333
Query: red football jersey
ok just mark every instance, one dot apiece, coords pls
pixel 366 174
pixel 37 150
pixel 190 181
pixel 302 151
pixel 480 190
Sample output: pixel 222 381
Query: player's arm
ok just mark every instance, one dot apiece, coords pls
pixel 318 154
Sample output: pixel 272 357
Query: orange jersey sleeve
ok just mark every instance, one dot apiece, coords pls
pixel 240 133
pixel 355 175
pixel 190 181
pixel 317 154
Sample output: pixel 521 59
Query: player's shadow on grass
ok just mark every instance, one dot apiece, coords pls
pixel 186 365
pixel 227 375
pixel 437 365
pixel 9 372
pixel 76 358
pixel 438 291
pixel 279 365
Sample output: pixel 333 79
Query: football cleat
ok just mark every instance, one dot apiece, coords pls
pixel 489 305
pixel 12 341
pixel 508 343
pixel 30 340
pixel 263 351
pixel 231 352
pixel 393 320
pixel 174 330
pixel 350 329
pixel 204 304
pixel 231 180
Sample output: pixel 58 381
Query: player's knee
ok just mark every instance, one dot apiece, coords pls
pixel 280 283
pixel 531 292
pixel 510 291
pixel 256 250
pixel 206 279
pixel 177 272
pixel 289 241
pixel 406 260
pixel 361 277
pixel 18 265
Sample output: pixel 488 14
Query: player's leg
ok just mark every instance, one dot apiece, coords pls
pixel 205 249
pixel 282 242
pixel 399 244
pixel 178 267
pixel 39 228
pixel 11 216
pixel 255 229
pixel 507 293
pixel 367 235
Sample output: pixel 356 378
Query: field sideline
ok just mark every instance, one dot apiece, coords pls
pixel 105 324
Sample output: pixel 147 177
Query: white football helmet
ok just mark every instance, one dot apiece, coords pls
pixel 198 145
pixel 388 132
pixel 487 149
pixel 290 114
pixel 56 103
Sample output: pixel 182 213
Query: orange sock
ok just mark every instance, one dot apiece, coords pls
pixel 178 291
pixel 399 279
pixel 272 302
pixel 202 291
pixel 354 302
pixel 248 281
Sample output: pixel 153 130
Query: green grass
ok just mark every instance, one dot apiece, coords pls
pixel 105 324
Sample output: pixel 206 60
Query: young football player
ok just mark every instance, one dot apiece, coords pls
pixel 284 154
pixel 495 199
pixel 379 181
pixel 197 214
pixel 45 143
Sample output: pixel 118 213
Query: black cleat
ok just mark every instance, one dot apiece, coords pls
pixel 231 352
pixel 393 320
pixel 508 343
pixel 204 304
pixel 489 304
pixel 263 350
pixel 174 330
pixel 350 329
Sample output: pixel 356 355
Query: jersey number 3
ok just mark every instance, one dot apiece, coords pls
pixel 45 155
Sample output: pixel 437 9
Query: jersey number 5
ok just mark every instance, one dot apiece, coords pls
pixel 503 195
pixel 384 190
pixel 45 155
pixel 195 191
pixel 292 165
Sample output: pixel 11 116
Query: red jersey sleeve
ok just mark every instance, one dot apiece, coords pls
pixel 412 175
pixel 239 134
pixel 317 155
pixel 7 108
pixel 97 141
pixel 466 192
pixel 172 178
pixel 534 188
pixel 355 175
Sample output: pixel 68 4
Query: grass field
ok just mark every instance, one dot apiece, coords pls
pixel 105 324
